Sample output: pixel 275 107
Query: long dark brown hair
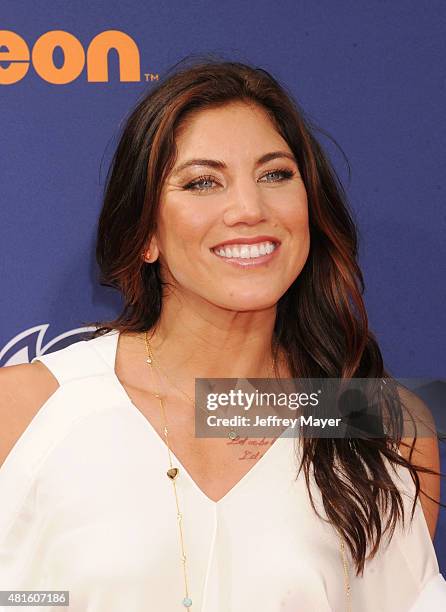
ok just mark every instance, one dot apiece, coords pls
pixel 321 322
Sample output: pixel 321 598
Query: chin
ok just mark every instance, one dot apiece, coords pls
pixel 248 303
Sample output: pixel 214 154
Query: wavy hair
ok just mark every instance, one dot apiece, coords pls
pixel 321 321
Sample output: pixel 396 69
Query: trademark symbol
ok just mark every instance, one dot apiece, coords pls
pixel 150 76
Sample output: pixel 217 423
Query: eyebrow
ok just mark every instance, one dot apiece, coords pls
pixel 214 163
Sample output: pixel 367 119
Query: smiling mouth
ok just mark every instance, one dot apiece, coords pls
pixel 247 254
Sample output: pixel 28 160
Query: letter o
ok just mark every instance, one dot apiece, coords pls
pixel 42 57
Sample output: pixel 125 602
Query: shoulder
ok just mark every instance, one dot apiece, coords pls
pixel 420 447
pixel 24 389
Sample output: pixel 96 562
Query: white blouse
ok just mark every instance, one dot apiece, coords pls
pixel 86 507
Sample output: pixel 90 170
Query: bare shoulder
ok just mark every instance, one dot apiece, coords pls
pixel 23 391
pixel 414 406
pixel 422 451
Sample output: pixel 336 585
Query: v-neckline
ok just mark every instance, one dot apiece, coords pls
pixel 113 336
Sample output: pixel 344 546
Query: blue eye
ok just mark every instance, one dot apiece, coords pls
pixel 199 181
pixel 285 173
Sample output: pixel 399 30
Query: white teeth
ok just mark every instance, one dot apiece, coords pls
pixel 246 251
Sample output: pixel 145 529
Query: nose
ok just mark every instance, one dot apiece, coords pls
pixel 246 204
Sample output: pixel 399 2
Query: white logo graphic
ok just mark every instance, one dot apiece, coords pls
pixel 30 343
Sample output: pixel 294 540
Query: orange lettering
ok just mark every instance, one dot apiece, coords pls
pixel 97 52
pixel 42 57
pixel 17 52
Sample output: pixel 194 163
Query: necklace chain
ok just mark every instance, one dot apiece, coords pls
pixel 173 473
pixel 232 435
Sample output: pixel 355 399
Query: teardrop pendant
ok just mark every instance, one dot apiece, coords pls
pixel 233 435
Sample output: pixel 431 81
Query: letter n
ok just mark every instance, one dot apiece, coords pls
pixel 97 57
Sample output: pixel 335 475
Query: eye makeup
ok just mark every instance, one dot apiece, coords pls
pixel 286 174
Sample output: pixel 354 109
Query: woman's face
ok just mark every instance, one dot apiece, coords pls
pixel 234 181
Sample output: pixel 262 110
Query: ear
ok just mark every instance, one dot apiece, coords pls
pixel 151 252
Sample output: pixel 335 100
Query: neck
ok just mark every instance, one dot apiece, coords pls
pixel 204 341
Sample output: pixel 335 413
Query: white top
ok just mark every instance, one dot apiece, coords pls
pixel 86 506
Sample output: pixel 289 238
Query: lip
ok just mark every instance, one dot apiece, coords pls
pixel 248 263
pixel 248 240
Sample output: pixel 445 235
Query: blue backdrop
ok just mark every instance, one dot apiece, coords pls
pixel 372 74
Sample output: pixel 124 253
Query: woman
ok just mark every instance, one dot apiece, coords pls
pixel 226 231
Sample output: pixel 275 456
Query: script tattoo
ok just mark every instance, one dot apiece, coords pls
pixel 253 452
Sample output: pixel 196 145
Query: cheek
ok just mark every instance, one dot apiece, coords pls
pixel 301 231
pixel 295 219
pixel 182 227
pixel 293 215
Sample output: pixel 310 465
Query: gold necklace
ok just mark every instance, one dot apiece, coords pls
pixel 346 578
pixel 173 473
pixel 232 434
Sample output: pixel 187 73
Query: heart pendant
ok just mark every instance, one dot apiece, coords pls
pixel 173 473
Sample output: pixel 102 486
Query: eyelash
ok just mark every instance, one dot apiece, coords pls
pixel 287 174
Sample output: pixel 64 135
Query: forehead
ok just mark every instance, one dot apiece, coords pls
pixel 227 129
